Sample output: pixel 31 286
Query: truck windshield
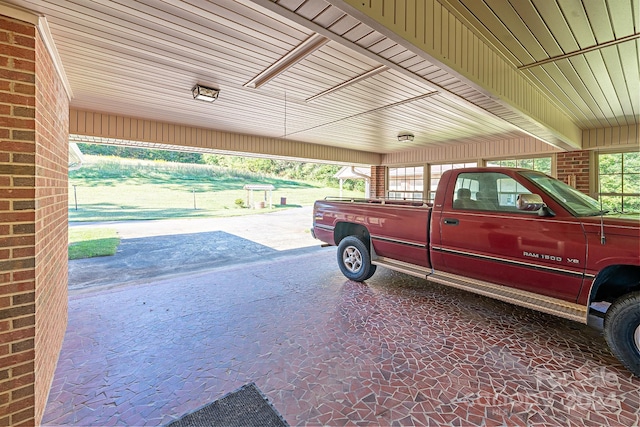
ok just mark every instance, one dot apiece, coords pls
pixel 579 204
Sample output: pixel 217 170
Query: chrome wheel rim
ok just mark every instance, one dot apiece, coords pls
pixel 352 259
pixel 636 338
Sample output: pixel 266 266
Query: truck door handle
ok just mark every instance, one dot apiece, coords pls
pixel 451 221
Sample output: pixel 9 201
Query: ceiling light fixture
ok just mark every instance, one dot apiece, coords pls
pixel 307 47
pixel 204 93
pixel 405 137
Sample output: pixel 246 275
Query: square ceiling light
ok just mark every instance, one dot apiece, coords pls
pixel 204 93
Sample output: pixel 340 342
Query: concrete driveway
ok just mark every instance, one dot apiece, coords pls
pixel 162 248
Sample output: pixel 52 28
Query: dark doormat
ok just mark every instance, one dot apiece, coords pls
pixel 246 406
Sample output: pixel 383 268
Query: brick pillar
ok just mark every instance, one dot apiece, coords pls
pixel 34 117
pixel 378 177
pixel 573 168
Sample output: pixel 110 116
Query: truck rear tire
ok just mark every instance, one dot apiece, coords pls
pixel 354 259
pixel 622 331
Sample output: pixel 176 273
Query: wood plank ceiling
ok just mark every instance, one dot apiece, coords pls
pixel 356 88
pixel 583 54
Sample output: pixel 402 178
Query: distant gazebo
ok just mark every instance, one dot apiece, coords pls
pixel 267 188
pixel 352 172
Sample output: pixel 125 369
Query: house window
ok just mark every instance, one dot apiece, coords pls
pixel 619 186
pixel 540 164
pixel 406 183
pixel 438 170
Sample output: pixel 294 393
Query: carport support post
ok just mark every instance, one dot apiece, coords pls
pixel 34 203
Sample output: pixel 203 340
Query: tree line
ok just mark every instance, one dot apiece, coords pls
pixel 303 171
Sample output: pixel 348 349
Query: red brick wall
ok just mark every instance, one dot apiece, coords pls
pixel 17 222
pixel 33 236
pixel 51 226
pixel 573 168
pixel 378 177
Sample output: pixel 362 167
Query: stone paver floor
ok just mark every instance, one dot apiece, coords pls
pixel 327 351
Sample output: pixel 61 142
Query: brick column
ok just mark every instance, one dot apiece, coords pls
pixel 573 168
pixel 378 177
pixel 34 121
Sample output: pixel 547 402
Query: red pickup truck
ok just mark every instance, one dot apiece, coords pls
pixel 516 235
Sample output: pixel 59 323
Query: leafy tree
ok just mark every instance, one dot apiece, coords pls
pixel 140 153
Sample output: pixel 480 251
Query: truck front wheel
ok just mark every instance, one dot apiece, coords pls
pixel 622 331
pixel 354 259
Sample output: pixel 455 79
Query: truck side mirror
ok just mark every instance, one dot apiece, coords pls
pixel 533 202
pixel 529 202
pixel 545 211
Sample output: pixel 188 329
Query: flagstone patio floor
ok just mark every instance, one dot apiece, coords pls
pixel 396 350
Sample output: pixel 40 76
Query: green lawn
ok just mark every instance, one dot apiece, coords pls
pixel 92 242
pixel 118 189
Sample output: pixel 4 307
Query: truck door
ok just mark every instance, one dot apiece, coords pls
pixel 484 236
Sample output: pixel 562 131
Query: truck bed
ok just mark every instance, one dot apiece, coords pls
pixel 398 229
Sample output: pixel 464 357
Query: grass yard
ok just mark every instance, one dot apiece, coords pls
pixel 92 242
pixel 122 189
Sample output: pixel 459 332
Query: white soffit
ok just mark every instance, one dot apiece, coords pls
pixel 141 58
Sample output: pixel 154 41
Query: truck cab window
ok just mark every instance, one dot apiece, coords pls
pixel 487 191
pixel 464 195
pixel 508 190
